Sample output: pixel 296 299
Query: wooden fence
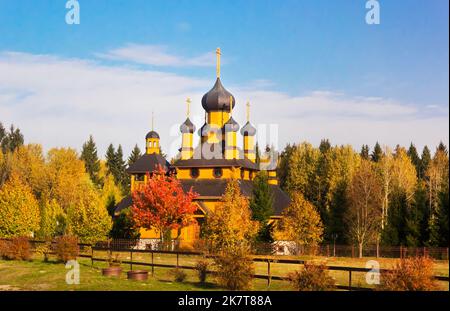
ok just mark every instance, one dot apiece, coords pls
pixel 269 261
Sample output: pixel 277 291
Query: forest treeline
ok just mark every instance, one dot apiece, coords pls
pixel 395 197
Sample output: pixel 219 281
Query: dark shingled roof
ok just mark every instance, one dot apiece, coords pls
pixel 246 163
pixel 148 163
pixel 152 134
pixel 187 126
pixel 218 98
pixel 215 188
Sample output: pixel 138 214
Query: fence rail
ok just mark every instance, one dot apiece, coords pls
pixel 127 246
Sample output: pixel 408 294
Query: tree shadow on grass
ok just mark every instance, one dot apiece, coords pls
pixel 206 285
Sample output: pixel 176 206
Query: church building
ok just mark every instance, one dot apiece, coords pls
pixel 207 167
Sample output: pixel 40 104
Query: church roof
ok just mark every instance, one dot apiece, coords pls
pixel 187 127
pixel 218 98
pixel 152 134
pixel 148 163
pixel 215 188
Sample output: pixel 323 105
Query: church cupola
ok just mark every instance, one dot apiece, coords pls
pixel 187 130
pixel 230 129
pixel 248 131
pixel 152 141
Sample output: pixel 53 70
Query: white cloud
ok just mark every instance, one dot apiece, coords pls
pixel 157 55
pixel 59 102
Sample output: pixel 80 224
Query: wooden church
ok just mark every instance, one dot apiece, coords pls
pixel 208 167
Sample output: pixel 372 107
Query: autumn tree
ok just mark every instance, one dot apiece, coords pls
pixel 261 205
pixel 161 204
pixel 300 223
pixel 19 210
pixel 230 225
pixel 365 197
pixel 91 161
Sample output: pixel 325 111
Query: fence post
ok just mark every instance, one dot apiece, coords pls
pixel 131 259
pixel 153 267
pixel 269 276
pixel 349 280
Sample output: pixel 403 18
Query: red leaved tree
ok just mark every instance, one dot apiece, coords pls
pixel 161 204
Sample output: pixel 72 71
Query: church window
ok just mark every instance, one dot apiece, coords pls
pixel 195 172
pixel 140 177
pixel 242 173
pixel 250 175
pixel 218 172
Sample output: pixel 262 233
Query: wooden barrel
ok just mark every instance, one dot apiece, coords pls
pixel 112 271
pixel 139 275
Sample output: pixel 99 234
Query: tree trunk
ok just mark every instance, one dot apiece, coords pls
pixel 360 246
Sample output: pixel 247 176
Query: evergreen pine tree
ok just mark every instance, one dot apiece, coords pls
pixel 283 166
pixel 121 177
pixel 2 134
pixel 444 216
pixel 324 146
pixel 134 156
pixel 424 161
pixel 415 159
pixel 12 140
pixel 365 152
pixel 261 205
pixel 377 153
pixel 442 148
pixel 91 161
pixel 111 161
pixel 257 154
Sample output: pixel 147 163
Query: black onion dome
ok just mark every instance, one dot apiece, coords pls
pixel 187 127
pixel 248 130
pixel 218 98
pixel 231 125
pixel 151 134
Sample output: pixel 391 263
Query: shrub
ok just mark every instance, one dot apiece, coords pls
pixel 202 270
pixel 5 249
pixel 179 275
pixel 311 278
pixel 410 274
pixel 66 247
pixel 235 269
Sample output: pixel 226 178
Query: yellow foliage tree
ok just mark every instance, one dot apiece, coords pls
pixel 230 224
pixel 87 217
pixel 301 223
pixel 19 209
pixel 28 164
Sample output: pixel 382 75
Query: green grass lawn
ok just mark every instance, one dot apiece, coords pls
pixel 40 275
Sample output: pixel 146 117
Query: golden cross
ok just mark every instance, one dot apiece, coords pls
pixel 188 102
pixel 248 111
pixel 218 62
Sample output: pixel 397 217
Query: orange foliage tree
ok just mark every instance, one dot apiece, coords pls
pixel 161 204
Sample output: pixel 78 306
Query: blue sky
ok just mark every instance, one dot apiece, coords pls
pixel 331 73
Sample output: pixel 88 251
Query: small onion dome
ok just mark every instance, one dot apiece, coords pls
pixel 231 125
pixel 204 130
pixel 187 127
pixel 152 134
pixel 248 130
pixel 218 98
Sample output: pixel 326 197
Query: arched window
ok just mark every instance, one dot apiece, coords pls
pixel 250 175
pixel 242 173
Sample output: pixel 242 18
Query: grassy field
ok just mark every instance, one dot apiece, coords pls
pixel 39 275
